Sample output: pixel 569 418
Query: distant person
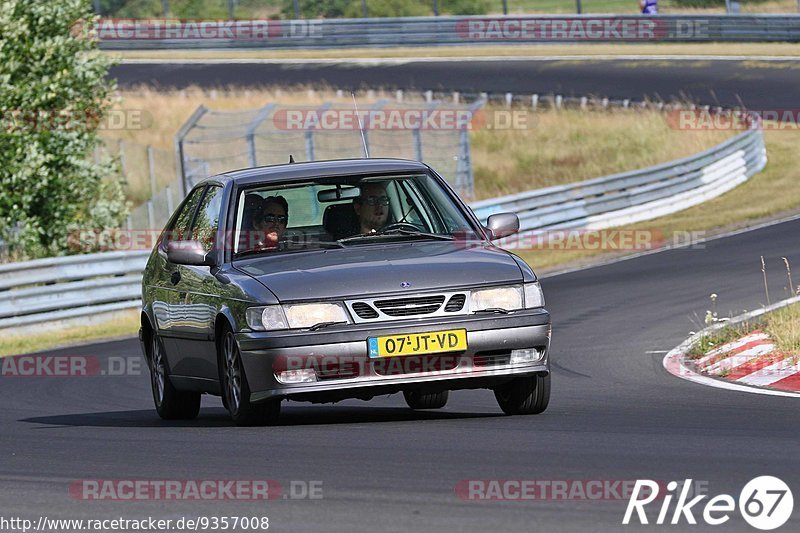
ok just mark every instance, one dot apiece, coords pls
pixel 649 7
pixel 372 207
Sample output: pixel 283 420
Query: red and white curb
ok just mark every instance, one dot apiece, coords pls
pixel 749 364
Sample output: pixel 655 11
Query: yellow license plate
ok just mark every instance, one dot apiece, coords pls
pixel 453 340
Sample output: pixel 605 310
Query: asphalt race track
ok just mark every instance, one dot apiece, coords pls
pixel 727 83
pixel 615 414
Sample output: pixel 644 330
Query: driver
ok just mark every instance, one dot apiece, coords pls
pixel 271 224
pixel 372 207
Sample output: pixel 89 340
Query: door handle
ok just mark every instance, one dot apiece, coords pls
pixel 175 278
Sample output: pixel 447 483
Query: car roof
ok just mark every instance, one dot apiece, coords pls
pixel 319 169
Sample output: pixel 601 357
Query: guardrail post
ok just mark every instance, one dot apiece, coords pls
pixel 179 151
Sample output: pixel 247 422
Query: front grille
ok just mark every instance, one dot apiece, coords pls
pixel 496 358
pixel 415 364
pixel 424 305
pixel 456 303
pixel 364 310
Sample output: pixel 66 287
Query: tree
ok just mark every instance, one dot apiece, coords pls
pixel 53 97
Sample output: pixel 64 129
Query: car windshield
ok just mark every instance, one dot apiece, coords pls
pixel 346 211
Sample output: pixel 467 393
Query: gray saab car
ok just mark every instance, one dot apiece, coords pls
pixel 342 279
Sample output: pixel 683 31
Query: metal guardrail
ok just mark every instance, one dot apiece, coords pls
pixel 452 30
pixel 63 288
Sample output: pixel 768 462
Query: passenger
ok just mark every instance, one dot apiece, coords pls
pixel 372 207
pixel 271 225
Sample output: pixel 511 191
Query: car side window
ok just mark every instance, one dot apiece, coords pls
pixel 179 230
pixel 206 223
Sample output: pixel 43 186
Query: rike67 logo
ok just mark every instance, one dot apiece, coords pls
pixel 765 503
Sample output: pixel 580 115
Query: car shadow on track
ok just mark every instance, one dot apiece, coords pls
pixel 291 416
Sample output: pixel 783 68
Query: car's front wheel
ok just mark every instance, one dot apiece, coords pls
pixel 171 404
pixel 236 391
pixel 524 396
pixel 419 400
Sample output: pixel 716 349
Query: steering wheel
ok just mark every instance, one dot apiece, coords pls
pixel 407 226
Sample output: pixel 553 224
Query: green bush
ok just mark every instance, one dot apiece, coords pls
pixel 53 95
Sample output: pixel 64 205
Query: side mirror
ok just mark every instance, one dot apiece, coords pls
pixel 502 225
pixel 188 253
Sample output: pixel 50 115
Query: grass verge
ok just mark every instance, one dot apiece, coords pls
pixel 123 324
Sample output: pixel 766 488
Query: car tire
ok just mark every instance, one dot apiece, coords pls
pixel 236 391
pixel 524 396
pixel 171 404
pixel 432 400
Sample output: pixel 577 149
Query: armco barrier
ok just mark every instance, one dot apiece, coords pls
pixel 115 34
pixel 57 289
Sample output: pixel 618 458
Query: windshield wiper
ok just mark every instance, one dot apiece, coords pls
pixel 320 325
pixel 397 232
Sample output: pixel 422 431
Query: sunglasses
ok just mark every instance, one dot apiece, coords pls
pixel 376 200
pixel 280 219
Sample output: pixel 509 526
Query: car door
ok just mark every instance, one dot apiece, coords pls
pixel 198 297
pixel 165 275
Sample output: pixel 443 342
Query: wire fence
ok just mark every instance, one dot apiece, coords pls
pixel 433 131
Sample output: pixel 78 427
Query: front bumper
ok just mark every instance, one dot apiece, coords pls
pixel 489 337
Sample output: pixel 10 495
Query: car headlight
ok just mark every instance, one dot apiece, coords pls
pixel 307 315
pixel 267 318
pixel 534 297
pixel 507 298
pixel 291 316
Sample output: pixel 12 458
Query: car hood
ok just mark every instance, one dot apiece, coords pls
pixel 357 271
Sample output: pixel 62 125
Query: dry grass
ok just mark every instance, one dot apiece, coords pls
pixel 573 145
pixel 123 324
pixel 783 326
pixel 769 194
pixel 541 50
